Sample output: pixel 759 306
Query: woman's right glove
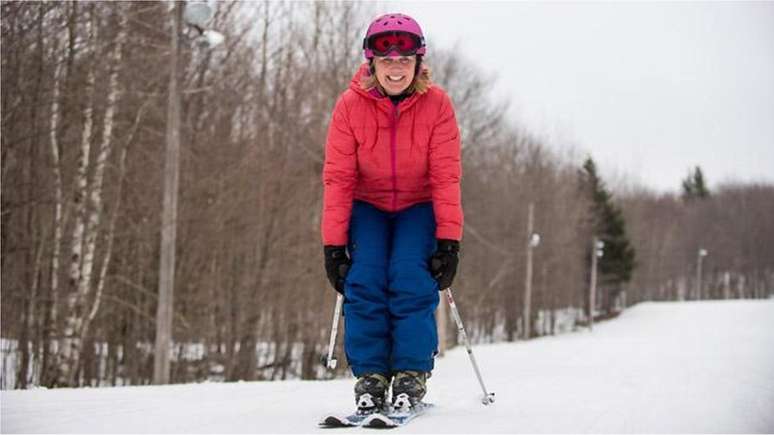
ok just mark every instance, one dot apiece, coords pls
pixel 336 266
pixel 443 263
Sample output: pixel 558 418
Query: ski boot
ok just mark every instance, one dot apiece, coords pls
pixel 371 393
pixel 408 389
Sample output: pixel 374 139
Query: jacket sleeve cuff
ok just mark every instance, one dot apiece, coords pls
pixel 335 239
pixel 449 232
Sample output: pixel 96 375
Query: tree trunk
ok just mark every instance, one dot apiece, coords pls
pixel 95 217
pixel 69 348
pixel 51 313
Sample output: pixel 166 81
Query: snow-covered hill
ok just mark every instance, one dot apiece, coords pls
pixel 660 367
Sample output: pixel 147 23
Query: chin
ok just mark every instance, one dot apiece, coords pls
pixel 392 90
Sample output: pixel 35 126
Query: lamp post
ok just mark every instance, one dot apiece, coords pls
pixel 699 258
pixel 533 240
pixel 597 251
pixel 196 14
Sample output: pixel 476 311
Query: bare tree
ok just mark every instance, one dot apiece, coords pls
pixel 83 144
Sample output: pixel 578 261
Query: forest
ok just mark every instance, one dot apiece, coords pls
pixel 85 132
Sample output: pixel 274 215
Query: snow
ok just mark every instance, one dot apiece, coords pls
pixel 659 368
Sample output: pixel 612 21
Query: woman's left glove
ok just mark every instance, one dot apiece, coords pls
pixel 336 266
pixel 443 263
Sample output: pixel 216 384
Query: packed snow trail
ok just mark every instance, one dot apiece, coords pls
pixel 659 368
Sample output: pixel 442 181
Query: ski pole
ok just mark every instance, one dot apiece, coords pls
pixel 330 360
pixel 488 397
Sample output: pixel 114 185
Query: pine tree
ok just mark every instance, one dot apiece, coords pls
pixel 618 262
pixel 694 186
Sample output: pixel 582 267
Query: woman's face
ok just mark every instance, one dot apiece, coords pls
pixel 395 74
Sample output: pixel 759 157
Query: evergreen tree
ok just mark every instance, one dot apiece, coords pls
pixel 694 186
pixel 617 263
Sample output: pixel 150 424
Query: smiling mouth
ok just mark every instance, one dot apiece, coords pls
pixel 395 78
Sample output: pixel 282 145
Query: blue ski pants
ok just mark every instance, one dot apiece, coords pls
pixel 390 296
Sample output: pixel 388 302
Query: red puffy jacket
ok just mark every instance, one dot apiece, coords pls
pixel 391 157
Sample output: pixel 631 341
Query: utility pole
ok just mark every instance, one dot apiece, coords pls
pixel 597 250
pixel 727 285
pixel 532 241
pixel 197 14
pixel 166 299
pixel 700 257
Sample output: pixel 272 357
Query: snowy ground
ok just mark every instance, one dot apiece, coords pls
pixel 660 367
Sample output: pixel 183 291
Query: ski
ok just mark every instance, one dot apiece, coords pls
pixel 335 420
pixel 396 418
pixel 379 421
pixel 376 420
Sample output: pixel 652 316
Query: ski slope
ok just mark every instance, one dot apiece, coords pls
pixel 659 368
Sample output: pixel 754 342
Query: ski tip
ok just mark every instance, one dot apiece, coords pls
pixel 333 421
pixel 378 421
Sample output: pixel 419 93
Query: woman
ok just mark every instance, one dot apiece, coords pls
pixel 392 217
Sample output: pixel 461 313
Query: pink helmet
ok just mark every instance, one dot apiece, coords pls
pixel 393 23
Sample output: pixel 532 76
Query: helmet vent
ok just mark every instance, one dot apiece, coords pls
pixel 400 22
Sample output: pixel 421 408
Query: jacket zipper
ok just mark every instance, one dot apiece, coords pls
pixel 394 152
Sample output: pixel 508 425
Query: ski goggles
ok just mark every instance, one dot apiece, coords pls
pixel 406 44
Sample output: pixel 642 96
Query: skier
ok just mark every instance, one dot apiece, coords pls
pixel 392 216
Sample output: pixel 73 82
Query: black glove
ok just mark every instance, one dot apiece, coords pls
pixel 336 266
pixel 443 263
